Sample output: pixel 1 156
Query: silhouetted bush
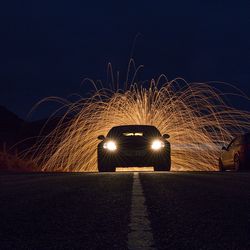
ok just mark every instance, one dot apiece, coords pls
pixel 13 163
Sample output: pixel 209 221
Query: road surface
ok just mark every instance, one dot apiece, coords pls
pixel 175 210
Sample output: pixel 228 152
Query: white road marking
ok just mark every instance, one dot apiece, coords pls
pixel 140 233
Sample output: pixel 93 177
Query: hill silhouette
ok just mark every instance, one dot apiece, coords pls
pixel 14 130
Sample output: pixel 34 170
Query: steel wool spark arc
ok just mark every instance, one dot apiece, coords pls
pixel 195 116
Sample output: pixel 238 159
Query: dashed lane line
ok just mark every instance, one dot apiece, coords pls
pixel 140 232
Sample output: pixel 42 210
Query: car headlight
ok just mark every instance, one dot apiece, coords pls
pixel 157 145
pixel 110 145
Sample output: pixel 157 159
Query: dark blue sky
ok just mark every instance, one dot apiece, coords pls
pixel 48 47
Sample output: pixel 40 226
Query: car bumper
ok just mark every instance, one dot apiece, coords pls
pixel 137 159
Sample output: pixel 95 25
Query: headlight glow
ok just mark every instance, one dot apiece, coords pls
pixel 157 144
pixel 110 145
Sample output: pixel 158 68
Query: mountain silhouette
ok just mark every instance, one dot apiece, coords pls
pixel 22 134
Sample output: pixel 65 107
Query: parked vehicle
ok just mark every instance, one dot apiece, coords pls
pixel 236 156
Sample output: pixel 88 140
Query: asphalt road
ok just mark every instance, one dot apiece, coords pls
pixel 94 211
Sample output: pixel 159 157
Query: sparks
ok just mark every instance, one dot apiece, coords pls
pixel 194 115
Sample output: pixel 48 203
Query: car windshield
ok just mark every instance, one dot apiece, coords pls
pixel 134 131
pixel 132 134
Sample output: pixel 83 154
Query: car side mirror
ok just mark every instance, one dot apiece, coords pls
pixel 224 148
pixel 101 137
pixel 166 136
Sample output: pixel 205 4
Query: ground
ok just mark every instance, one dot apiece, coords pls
pixel 93 211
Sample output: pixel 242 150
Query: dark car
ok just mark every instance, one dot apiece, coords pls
pixel 134 146
pixel 236 156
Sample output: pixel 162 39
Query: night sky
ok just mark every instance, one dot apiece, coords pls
pixel 48 47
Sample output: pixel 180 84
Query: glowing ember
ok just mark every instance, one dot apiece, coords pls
pixel 194 115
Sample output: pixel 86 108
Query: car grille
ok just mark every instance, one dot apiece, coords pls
pixel 134 153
